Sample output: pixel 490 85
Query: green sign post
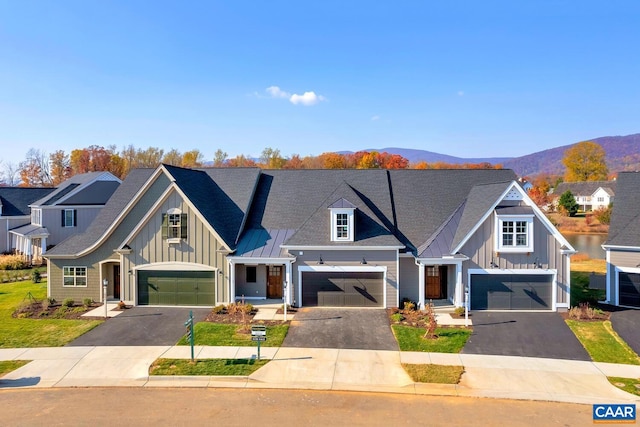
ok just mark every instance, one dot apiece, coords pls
pixel 259 334
pixel 190 333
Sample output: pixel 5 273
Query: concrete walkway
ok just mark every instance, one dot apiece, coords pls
pixel 326 369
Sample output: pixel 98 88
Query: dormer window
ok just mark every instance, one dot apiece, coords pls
pixel 342 221
pixel 174 225
pixel 515 233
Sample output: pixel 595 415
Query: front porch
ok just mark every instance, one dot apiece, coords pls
pixel 261 283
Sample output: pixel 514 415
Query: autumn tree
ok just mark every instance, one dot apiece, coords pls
pixel 34 171
pixel 173 157
pixel 10 174
pixel 272 159
pixel 295 162
pixel 219 158
pixel 60 167
pixel 241 161
pixel 585 161
pixel 332 161
pixel 192 159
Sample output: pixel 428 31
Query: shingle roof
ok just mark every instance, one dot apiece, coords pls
pixel 96 193
pixel 624 229
pixel 107 216
pixel 30 230
pixel 67 186
pixel 15 201
pixel 585 188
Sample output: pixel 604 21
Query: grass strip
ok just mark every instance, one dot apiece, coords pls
pixel 450 340
pixel 630 385
pixel 602 343
pixel 7 366
pixel 435 374
pixel 225 334
pixel 206 366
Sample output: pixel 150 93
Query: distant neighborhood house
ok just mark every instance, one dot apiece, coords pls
pixel 590 195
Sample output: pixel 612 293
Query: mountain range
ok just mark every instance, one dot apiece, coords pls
pixel 622 154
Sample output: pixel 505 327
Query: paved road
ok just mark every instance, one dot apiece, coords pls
pixel 523 334
pixel 193 407
pixel 625 323
pixel 141 326
pixel 343 328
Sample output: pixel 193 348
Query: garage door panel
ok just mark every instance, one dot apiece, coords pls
pixel 176 288
pixel 629 288
pixel 511 292
pixel 350 289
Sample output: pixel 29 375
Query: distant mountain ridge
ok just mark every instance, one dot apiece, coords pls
pixel 622 154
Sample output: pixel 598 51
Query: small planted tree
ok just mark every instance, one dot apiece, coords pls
pixel 568 204
pixel 431 323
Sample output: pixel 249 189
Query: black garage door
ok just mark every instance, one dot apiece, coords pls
pixel 511 292
pixel 342 289
pixel 176 288
pixel 629 285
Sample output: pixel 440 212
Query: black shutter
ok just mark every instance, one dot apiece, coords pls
pixel 183 226
pixel 62 212
pixel 75 217
pixel 165 226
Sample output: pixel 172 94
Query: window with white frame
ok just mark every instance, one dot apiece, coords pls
pixel 342 229
pixel 36 217
pixel 174 225
pixel 74 276
pixel 515 234
pixel 601 199
pixel 69 217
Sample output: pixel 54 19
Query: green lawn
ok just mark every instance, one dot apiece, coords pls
pixel 436 374
pixel 206 366
pixel 450 340
pixel 7 366
pixel 20 333
pixel 208 333
pixel 602 343
pixel 630 385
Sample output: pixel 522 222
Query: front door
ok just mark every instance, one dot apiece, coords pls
pixel 274 281
pixel 433 284
pixel 116 282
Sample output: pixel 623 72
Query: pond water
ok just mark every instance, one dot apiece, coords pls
pixel 588 243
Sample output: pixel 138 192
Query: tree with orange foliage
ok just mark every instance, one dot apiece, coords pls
pixel 333 161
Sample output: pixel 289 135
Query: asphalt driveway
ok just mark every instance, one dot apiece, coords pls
pixel 142 326
pixel 342 328
pixel 627 324
pixel 523 334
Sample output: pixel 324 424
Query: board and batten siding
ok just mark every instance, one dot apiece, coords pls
pixel 337 257
pixel 409 279
pixel 52 219
pixel 200 247
pixel 105 252
pixel 481 250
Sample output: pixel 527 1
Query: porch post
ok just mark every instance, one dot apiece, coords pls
pixel 232 282
pixel 421 286
pixel 287 278
pixel 459 302
pixel 43 244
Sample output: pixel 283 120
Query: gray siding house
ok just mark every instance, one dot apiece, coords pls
pixel 15 211
pixel 622 247
pixel 356 238
pixel 63 212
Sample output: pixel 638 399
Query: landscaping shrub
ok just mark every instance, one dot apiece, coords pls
pixel 36 277
pixel 407 304
pixel 459 311
pixel 218 309
pixel 68 302
pixel 12 262
pixel 397 317
pixel 87 302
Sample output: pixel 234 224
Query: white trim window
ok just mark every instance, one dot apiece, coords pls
pixel 36 217
pixel 342 229
pixel 174 225
pixel 74 276
pixel 514 234
pixel 69 217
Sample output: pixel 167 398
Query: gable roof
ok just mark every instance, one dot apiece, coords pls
pixel 624 229
pixel 15 201
pixel 91 188
pixel 585 188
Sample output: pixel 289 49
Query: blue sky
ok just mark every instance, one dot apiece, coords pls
pixel 464 78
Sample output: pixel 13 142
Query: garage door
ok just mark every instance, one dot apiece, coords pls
pixel 629 285
pixel 176 288
pixel 342 289
pixel 511 292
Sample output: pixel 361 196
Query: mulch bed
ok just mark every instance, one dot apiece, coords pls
pixel 414 318
pixel 238 319
pixel 36 310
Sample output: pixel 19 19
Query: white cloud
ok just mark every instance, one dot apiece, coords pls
pixel 276 92
pixel 307 98
pixel 375 118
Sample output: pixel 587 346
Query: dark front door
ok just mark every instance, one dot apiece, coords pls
pixel 274 281
pixel 116 282
pixel 434 283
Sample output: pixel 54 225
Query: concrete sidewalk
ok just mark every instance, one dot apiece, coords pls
pixel 326 369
